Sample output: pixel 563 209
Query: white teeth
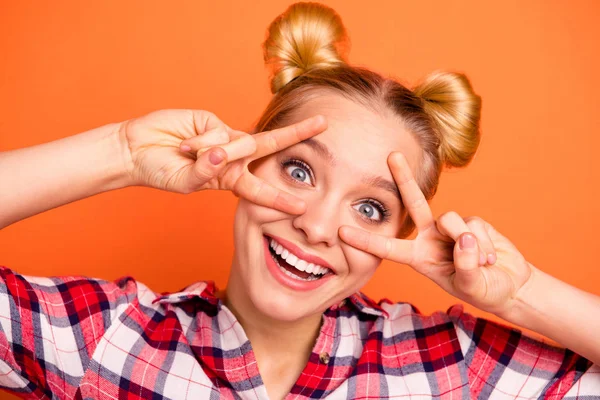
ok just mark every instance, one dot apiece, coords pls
pixel 291 275
pixel 301 265
pixel 288 273
pixel 293 260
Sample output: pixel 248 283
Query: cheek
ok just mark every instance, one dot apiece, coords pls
pixel 361 265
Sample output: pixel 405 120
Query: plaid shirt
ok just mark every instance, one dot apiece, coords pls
pixel 81 338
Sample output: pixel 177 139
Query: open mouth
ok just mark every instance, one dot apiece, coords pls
pixel 295 267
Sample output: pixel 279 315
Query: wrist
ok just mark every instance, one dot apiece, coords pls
pixel 120 172
pixel 558 311
pixel 521 305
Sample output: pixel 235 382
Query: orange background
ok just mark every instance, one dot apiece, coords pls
pixel 71 66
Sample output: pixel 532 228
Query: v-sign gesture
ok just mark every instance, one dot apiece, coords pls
pixel 184 151
pixel 468 258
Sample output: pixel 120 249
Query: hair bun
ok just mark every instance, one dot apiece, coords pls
pixel 451 102
pixel 305 36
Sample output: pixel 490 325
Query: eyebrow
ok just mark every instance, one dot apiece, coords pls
pixel 372 180
pixel 321 149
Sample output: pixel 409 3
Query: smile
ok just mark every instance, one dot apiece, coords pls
pixel 285 262
pixel 293 266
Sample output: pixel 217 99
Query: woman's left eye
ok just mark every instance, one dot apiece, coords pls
pixel 298 170
pixel 373 211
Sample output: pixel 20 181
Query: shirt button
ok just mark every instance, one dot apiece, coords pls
pixel 324 357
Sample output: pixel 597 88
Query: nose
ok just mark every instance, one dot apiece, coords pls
pixel 321 221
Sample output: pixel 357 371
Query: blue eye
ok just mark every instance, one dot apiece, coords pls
pixel 373 211
pixel 367 210
pixel 298 170
pixel 370 210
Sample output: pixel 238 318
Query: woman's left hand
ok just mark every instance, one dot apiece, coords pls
pixel 467 257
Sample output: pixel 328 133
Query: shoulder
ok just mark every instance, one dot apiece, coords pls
pixel 75 298
pixel 50 326
pixel 401 324
pixel 406 316
pixel 407 327
pixel 69 286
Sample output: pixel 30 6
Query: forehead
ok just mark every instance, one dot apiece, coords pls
pixel 358 135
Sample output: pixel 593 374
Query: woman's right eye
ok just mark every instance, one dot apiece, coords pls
pixel 298 170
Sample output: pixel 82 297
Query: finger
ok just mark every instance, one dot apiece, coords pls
pixel 270 142
pixel 398 250
pixel 205 121
pixel 213 137
pixel 468 274
pixel 239 148
pixel 412 196
pixel 260 192
pixel 477 226
pixel 207 166
pixel 233 134
pixel 453 225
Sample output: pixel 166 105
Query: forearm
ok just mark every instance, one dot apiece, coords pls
pixel 42 177
pixel 562 312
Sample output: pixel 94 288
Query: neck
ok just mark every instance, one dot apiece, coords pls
pixel 281 339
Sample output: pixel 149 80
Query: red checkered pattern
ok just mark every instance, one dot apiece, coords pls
pixel 81 338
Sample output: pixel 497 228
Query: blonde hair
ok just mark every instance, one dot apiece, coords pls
pixel 306 49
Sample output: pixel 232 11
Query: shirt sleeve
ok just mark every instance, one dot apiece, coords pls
pixel 502 362
pixel 49 328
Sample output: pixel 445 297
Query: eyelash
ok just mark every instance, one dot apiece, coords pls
pixel 297 163
pixel 383 210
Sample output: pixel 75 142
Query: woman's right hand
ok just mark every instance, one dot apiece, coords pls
pixel 216 156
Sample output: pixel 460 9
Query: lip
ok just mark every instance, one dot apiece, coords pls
pixel 285 280
pixel 297 251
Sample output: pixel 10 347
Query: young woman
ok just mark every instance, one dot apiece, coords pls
pixel 337 176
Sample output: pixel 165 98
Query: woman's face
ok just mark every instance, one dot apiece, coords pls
pixel 343 176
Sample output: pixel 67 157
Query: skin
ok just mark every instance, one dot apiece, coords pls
pixel 360 144
pixel 360 140
pixel 281 323
pixel 173 150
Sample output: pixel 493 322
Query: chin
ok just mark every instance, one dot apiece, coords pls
pixel 280 307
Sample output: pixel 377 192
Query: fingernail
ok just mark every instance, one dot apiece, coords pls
pixel 185 147
pixel 482 258
pixel 215 157
pixel 491 258
pixel 467 242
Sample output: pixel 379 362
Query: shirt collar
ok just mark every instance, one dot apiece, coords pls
pixel 367 305
pixel 205 290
